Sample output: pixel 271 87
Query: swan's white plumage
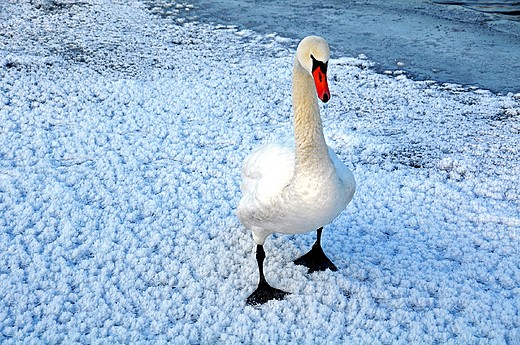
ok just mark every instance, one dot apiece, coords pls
pixel 296 185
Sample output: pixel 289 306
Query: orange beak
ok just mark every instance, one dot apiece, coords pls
pixel 322 87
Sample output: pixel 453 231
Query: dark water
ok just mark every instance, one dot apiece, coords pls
pixel 464 42
pixel 508 9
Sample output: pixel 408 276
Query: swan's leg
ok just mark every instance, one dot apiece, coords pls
pixel 264 292
pixel 315 259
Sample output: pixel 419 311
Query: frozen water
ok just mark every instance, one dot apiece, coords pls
pixel 121 140
pixel 428 40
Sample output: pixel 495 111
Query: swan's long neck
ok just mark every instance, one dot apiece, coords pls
pixel 310 147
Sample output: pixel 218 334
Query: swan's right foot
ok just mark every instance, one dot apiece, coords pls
pixel 264 293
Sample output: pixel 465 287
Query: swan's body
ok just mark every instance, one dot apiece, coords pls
pixel 296 185
pixel 276 199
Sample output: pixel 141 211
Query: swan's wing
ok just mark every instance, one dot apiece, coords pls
pixel 265 173
pixel 342 171
pixel 268 169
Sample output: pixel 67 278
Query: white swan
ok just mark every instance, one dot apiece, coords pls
pixel 297 185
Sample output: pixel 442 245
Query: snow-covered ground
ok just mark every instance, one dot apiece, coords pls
pixel 121 140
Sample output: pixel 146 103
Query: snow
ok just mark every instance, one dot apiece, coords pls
pixel 122 135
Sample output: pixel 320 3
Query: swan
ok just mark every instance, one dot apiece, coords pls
pixel 296 185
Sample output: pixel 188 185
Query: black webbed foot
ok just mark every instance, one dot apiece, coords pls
pixel 315 259
pixel 264 293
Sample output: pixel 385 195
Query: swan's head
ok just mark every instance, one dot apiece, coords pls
pixel 313 53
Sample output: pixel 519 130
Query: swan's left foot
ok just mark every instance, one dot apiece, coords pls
pixel 315 259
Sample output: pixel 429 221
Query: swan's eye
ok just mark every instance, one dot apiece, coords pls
pixel 320 64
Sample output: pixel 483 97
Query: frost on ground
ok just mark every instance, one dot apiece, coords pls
pixel 121 141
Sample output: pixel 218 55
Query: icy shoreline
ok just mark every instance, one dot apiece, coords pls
pixel 445 43
pixel 121 141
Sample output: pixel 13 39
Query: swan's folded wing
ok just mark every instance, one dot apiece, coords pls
pixel 342 171
pixel 268 169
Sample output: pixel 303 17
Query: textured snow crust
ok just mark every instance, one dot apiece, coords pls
pixel 122 135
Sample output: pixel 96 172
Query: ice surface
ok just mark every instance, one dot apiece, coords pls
pixel 121 140
pixel 446 43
